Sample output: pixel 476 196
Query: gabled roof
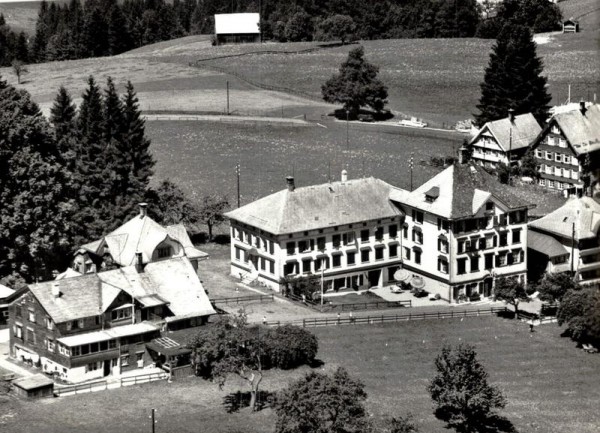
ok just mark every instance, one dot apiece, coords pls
pixel 464 188
pixel 584 212
pixel 171 282
pixel 141 234
pixel 518 135
pixel 319 206
pixel 237 23
pixel 5 292
pixel 581 130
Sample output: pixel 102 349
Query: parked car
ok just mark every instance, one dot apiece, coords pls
pixel 413 122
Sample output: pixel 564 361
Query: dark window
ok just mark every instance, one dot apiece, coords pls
pixel 503 239
pixel 461 266
pixel 443 265
pixel 489 261
pixel 489 205
pixel 336 260
pixel 405 231
pixel 379 253
pixel 461 246
pixel 18 311
pixel 516 236
pixel 289 268
pixel 417 257
pixel 321 243
pixel 303 246
pixel 271 266
pixel 103 345
pixel 336 240
pixel 164 252
pixel 417 236
pixel 93 347
pixel 364 235
pixel 474 263
pixel 379 234
pixel 364 256
pixel 30 336
pixel 351 257
pixel 394 250
pixel 417 216
pixel 306 265
pixel 85 349
pixel 291 248
pixel 393 230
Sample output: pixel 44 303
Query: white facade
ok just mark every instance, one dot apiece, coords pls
pixel 487 152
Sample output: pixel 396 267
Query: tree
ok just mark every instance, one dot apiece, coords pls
pixel 356 85
pixel 211 211
pixel 402 425
pixel 579 310
pixel 19 69
pixel 338 26
pixel 554 286
pixel 299 27
pixel 290 346
pixel 460 390
pixel 529 165
pixel 171 206
pixel 513 78
pixel 511 291
pixel 319 403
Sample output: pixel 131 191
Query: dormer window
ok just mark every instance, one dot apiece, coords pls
pixel 432 194
pixel 164 252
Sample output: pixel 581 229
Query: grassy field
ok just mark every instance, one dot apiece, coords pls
pixel 551 386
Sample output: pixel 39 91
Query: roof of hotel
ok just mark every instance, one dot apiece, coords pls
pixel 141 234
pixel 520 134
pixel 581 130
pixel 463 189
pixel 237 23
pixel 545 244
pixel 319 206
pixel 109 334
pixel 584 212
pixel 171 282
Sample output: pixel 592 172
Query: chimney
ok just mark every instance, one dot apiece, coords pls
pixel 344 176
pixel 139 264
pixel 511 115
pixel 143 209
pixel 290 183
pixel 582 107
pixel 463 155
pixel 56 290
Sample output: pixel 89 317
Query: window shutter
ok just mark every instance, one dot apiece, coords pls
pixel 495 241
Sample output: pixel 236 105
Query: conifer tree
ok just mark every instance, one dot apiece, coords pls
pixel 41 34
pixel 119 39
pixel 63 117
pixel 513 78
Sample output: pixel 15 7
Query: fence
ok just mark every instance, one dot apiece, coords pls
pixel 242 299
pixel 102 385
pixel 368 305
pixel 383 318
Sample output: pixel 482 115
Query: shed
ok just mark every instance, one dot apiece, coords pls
pixel 35 386
pixel 570 26
pixel 237 28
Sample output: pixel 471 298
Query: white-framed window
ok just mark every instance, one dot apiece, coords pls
pixel 139 358
pixel 558 157
pixel 538 153
pixel 49 323
pixel 557 171
pixel 562 142
pixel 124 360
pixel 51 344
pixel 443 265
pixel 559 185
pixel 574 174
pixel 93 366
pixel 31 316
pixel 549 155
pixel 550 140
pixel 550 184
pixel 18 331
pixel 549 169
pixel 543 182
pixel 406 253
pixel 566 159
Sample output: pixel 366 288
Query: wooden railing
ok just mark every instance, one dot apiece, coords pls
pixel 242 299
pixel 101 385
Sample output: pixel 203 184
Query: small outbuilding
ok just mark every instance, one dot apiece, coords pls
pixel 237 28
pixel 35 386
pixel 570 26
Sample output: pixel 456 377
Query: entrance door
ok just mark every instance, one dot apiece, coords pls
pixel 374 278
pixel 106 367
pixel 487 287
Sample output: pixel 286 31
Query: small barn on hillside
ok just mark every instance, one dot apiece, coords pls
pixel 237 28
pixel 570 26
pixel 35 386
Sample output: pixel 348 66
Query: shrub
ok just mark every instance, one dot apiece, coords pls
pixel 290 346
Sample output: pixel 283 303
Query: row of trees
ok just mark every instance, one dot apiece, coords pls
pixel 13 46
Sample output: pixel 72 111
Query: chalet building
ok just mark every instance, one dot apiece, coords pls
pixel 561 145
pixel 237 28
pixel 346 232
pixel 496 140
pixel 141 240
pixel 570 26
pixel 463 229
pixel 566 240
pixel 96 319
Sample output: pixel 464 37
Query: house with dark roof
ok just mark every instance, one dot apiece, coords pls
pixel 566 240
pixel 561 146
pixel 345 232
pixel 139 241
pixel 498 141
pixel 463 229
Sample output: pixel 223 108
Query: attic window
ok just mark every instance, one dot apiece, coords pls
pixel 432 194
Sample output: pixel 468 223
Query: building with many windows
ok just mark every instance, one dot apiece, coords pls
pixel 496 140
pixel 566 240
pixel 559 148
pixel 348 232
pixel 463 229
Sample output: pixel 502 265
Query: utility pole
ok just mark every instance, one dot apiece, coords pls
pixel 260 21
pixel 322 270
pixel 347 130
pixel 228 97
pixel 573 249
pixel 237 172
pixel 511 118
pixel 153 422
pixel 411 164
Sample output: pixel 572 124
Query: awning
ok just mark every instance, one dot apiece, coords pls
pixel 546 245
pixel 417 282
pixel 402 275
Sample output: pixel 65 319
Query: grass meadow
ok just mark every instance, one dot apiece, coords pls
pixel 551 386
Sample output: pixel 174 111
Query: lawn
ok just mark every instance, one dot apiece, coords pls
pixel 551 386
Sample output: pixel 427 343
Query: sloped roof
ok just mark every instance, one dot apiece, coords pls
pixel 237 23
pixel 173 282
pixel 545 244
pixel 463 189
pixel 318 206
pixel 5 292
pixel 584 212
pixel 141 234
pixel 520 134
pixel 581 130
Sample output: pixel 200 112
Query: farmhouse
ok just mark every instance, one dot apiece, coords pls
pixel 126 288
pixel 570 26
pixel 566 240
pixel 560 146
pixel 497 140
pixel 346 232
pixel 237 28
pixel 463 229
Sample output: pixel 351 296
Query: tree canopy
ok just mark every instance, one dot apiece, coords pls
pixel 512 291
pixel 460 390
pixel 513 78
pixel 356 85
pixel 579 310
pixel 553 286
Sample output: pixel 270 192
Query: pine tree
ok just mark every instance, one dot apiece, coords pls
pixel 63 116
pixel 41 34
pixel 513 78
pixel 21 51
pixel 119 39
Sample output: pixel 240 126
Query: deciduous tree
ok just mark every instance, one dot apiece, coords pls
pixel 512 291
pixel 211 211
pixel 553 286
pixel 19 69
pixel 460 390
pixel 337 26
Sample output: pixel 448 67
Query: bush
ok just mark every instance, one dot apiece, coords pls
pixel 290 346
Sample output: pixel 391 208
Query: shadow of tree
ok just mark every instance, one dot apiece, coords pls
pixel 238 400
pixel 316 363
pixel 493 423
